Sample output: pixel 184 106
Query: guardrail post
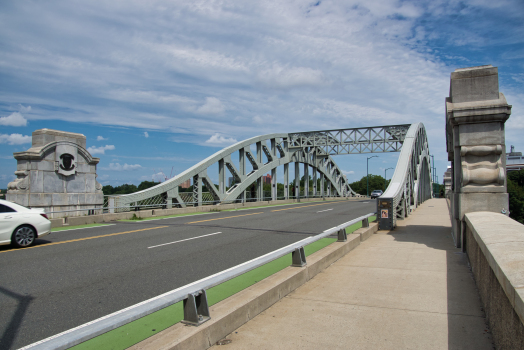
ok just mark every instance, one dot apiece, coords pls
pixel 196 309
pixel 342 235
pixel 365 222
pixel 299 257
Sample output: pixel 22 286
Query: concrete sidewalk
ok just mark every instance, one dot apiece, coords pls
pixel 404 289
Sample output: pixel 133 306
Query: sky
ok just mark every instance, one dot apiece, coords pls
pixel 157 86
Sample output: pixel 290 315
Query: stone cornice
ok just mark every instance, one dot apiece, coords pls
pixel 478 111
pixel 37 153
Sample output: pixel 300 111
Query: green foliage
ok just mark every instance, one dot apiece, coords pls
pixel 136 217
pixel 376 182
pixel 126 188
pixel 516 195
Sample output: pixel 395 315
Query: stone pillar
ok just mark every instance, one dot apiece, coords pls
pixel 475 115
pixel 57 173
pixel 447 182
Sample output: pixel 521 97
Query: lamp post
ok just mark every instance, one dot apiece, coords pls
pixel 385 177
pixel 367 173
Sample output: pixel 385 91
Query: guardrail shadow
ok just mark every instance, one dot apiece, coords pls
pixel 13 326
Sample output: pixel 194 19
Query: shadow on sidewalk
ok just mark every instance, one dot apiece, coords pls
pixel 463 299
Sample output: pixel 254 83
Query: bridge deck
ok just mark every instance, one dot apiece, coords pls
pixel 405 289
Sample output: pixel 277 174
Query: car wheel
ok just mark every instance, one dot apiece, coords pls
pixel 23 236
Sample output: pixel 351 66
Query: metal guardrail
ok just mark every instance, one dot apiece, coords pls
pixel 193 295
pixel 129 208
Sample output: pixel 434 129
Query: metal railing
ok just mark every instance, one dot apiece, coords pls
pixel 160 203
pixel 193 295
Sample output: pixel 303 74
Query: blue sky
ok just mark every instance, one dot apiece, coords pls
pixel 157 86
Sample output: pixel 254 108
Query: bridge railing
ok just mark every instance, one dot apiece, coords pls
pixel 110 206
pixel 193 295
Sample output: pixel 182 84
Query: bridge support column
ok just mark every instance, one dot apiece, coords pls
pixel 314 181
pixel 322 194
pixel 475 115
pixel 297 181
pixel 306 180
pixel 197 191
pixel 242 170
pixel 221 177
pixel 286 181
pixel 260 183
pixel 273 171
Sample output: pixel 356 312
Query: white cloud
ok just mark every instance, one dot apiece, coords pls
pixel 101 149
pixel 219 140
pixel 125 167
pixel 24 109
pixel 14 119
pixel 101 138
pixel 146 134
pixel 212 106
pixel 350 172
pixel 292 77
pixel 15 139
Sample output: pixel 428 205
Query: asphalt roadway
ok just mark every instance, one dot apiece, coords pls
pixel 72 277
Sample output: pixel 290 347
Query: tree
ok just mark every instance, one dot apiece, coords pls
pixel 376 182
pixel 516 195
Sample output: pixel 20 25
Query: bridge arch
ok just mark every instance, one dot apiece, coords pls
pixel 409 186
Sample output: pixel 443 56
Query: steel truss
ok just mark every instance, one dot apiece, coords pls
pixel 313 149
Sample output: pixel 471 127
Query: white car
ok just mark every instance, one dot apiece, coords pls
pixel 20 226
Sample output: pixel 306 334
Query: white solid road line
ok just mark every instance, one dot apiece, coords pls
pixel 324 210
pixel 183 240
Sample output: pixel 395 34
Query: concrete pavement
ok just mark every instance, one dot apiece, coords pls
pixel 405 289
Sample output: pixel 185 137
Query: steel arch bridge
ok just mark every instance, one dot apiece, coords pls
pixel 409 186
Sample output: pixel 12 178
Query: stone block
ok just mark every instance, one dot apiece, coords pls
pixel 474 84
pixel 76 183
pixel 94 198
pixel 74 198
pixel 45 165
pixel 22 165
pixel 53 183
pixel 475 202
pixel 480 134
pixel 90 183
pixel 37 181
pixel 41 139
pixel 39 200
pixel 59 199
pixel 83 167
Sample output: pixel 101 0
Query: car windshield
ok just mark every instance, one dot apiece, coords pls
pixel 377 191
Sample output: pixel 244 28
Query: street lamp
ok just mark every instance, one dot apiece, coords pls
pixel 367 173
pixel 385 177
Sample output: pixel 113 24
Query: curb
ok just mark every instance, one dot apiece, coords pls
pixel 231 313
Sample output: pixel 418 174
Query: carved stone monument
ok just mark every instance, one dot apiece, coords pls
pixel 57 173
pixel 475 115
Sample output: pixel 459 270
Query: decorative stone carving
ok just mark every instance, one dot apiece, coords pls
pixel 57 173
pixel 482 165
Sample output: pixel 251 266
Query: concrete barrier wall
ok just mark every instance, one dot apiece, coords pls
pixel 92 219
pixel 495 248
pixel 233 312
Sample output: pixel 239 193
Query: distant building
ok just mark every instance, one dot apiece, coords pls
pixel 230 181
pixel 186 184
pixel 266 179
pixel 514 160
